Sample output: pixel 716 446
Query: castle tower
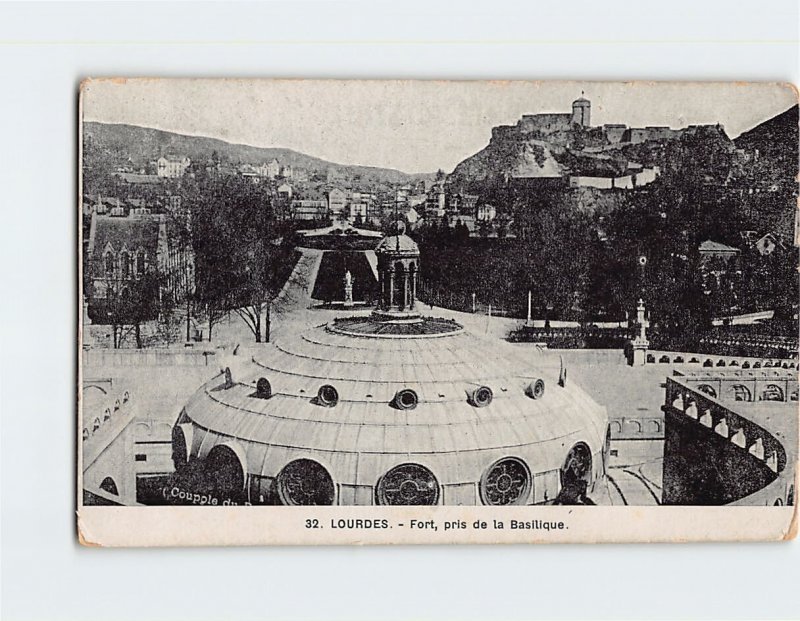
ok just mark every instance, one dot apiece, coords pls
pixel 581 111
pixel 398 269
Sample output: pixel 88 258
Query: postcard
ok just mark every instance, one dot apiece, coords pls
pixel 357 311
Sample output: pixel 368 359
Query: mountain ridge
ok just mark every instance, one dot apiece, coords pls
pixel 138 145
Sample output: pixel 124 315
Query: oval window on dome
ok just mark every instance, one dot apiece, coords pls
pixel 408 484
pixel 305 482
pixel 506 482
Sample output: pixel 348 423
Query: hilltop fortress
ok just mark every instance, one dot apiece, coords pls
pixel 561 128
pixel 566 146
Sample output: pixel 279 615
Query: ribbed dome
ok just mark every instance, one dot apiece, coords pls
pixel 366 426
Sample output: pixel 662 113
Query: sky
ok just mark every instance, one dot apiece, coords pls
pixel 413 126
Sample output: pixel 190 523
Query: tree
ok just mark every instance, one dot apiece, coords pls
pixel 130 303
pixel 243 255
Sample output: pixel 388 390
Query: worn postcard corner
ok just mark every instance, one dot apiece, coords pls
pixel 374 312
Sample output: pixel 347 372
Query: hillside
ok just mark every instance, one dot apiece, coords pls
pixel 117 145
pixel 775 135
pixel 776 142
pixel 513 158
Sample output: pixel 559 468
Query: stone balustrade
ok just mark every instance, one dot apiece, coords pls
pixel 717 361
pixel 753 449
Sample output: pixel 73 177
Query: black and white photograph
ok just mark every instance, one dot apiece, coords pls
pixel 507 295
pixel 352 310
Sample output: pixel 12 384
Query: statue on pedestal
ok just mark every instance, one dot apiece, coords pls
pixel 348 289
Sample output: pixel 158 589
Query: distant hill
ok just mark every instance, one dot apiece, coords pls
pixel 776 141
pixel 778 134
pixel 131 145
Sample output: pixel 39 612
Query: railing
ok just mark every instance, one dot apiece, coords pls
pixel 751 442
pixel 148 357
pixel 717 361
pixel 101 428
pixel 574 338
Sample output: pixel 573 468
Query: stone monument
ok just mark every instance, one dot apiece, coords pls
pixel 348 289
pixel 640 343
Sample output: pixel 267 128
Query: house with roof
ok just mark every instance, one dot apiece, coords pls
pixel 172 166
pixel 337 202
pixel 767 244
pixel 715 250
pixel 717 261
pixel 123 250
pixel 273 168
pixel 284 191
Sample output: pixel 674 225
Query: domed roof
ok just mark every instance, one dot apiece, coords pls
pixel 397 243
pixel 581 100
pixel 368 427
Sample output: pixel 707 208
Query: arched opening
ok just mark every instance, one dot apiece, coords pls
pixel 109 264
pixel 772 392
pixel 125 264
pixel 181 445
pixel 110 486
pixel 225 472
pixel 408 484
pixel 633 426
pixel 576 475
pixel 401 285
pixel 707 389
pixel 578 464
pixel 305 482
pixel 506 482
pixel 740 392
pixel 140 263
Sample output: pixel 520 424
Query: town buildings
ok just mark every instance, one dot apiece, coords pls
pixel 171 166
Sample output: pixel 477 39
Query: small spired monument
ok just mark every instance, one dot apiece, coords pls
pixel 640 343
pixel 348 289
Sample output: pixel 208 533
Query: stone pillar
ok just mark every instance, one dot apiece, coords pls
pixel 391 286
pixel 529 309
pixel 381 284
pixel 405 289
pixel 414 288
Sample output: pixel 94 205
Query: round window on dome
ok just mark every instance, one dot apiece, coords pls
pixel 535 389
pixel 506 482
pixel 305 482
pixel 406 399
pixel 408 484
pixel 328 395
pixel 481 397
